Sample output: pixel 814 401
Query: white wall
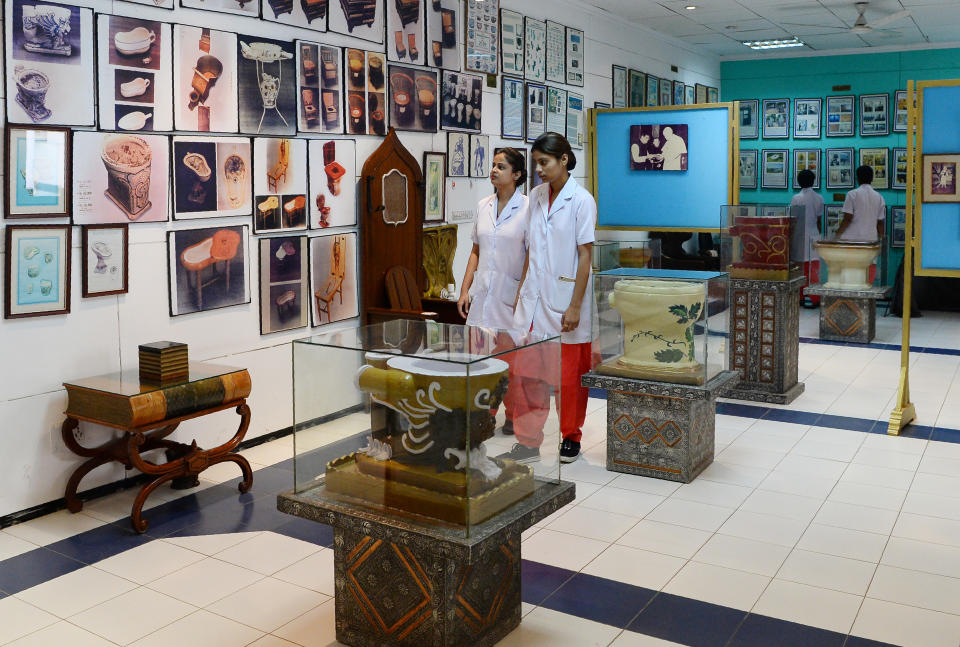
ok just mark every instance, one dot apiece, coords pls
pixel 101 335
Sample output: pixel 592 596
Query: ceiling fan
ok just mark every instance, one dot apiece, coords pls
pixel 861 26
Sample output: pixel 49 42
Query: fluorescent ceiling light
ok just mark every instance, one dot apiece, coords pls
pixel 690 7
pixel 775 43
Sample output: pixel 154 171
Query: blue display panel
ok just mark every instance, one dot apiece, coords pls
pixel 940 233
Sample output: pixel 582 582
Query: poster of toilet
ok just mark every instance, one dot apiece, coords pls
pixel 461 101
pixel 413 98
pixel 241 7
pixel 266 86
pixel 205 80
pixel 333 277
pixel 311 14
pixel 212 177
pixel 279 184
pixel 49 63
pixel 134 63
pixel 366 106
pixel 405 32
pixel 444 46
pixel 333 183
pixel 361 19
pixel 319 88
pixel 120 177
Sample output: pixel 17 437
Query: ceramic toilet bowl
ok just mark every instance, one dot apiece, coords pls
pixel 848 263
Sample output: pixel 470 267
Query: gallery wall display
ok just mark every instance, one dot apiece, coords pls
pixel 666 92
pixel 555 53
pixel 462 101
pixel 511 108
pixel 479 156
pixel 840 115
pixel 874 114
pixel 37 170
pixel 279 184
pixel 637 83
pixel 806 118
pixel 776 118
pixel 366 108
pixel 434 180
pixel 701 93
pixel 333 278
pixel 840 168
pixel 806 159
pixel 333 185
pixel 212 177
pixel 135 65
pixel 361 19
pixel 204 80
pixel 208 268
pixel 483 36
pixel 575 120
pixel 311 14
pixel 240 7
pixel 119 177
pixel 511 42
pixel 879 160
pixel 678 96
pixel 748 169
pixel 36 271
pixel 266 86
pixel 713 94
pixel 689 95
pixel 534 49
pixel 939 178
pixel 319 87
pixel 284 283
pixel 458 153
pixel 49 63
pixel 105 260
pixel 405 30
pixel 556 109
pixel 658 147
pixel 898 226
pixel 412 98
pixel 749 121
pixel 536 110
pixel 652 97
pixel 575 65
pixel 444 43
pixel 899 169
pixel 618 89
pixel 900 107
pixel 774 169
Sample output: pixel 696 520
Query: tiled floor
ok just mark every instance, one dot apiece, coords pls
pixel 810 528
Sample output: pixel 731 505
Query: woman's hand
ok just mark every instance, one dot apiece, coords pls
pixel 463 304
pixel 570 319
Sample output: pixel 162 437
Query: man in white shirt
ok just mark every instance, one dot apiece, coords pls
pixel 812 205
pixel 674 148
pixel 864 211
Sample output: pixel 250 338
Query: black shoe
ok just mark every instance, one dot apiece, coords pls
pixel 507 428
pixel 522 454
pixel 569 451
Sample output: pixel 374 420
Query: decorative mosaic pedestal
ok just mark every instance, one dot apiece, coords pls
pixel 848 315
pixel 660 429
pixel 406 583
pixel 765 339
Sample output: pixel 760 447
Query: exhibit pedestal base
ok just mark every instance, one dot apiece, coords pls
pixel 404 581
pixel 764 339
pixel 848 315
pixel 659 429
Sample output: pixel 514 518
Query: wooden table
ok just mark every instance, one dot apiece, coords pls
pixel 148 414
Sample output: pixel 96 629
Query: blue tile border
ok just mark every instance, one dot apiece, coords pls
pixel 926 350
pixel 600 600
pixel 688 622
pixel 763 631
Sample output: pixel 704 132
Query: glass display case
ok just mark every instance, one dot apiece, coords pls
pixel 662 325
pixel 611 254
pixel 404 417
pixel 764 241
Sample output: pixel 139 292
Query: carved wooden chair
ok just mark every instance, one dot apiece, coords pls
pixel 403 293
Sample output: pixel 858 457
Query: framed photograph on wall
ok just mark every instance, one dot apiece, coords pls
pixel 939 178
pixel 212 177
pixel 900 107
pixel 37 170
pixel 201 104
pixel 701 93
pixel 556 52
pixel 284 284
pixel 834 213
pixel 840 115
pixel 366 108
pixel 434 179
pixel 713 94
pixel 511 42
pixel 310 14
pixel 666 92
pixel 536 110
pixel 319 88
pixel 458 154
pixel 225 6
pixel 461 101
pixel 618 89
pixel 601 105
pixel 36 271
pixel 575 66
pixel 748 169
pixel 652 98
pixel 333 278
pixel 479 156
pixel 444 42
pixel 163 4
pixel 104 260
pixel 840 168
pixel 535 49
pixel 405 29
pixel 689 95
pixel 806 118
pixel 266 86
pixel 208 268
pixel 776 118
pixel 412 98
pixel 575 120
pixel 879 160
pixel 898 226
pixel 775 168
pixel 333 182
pixel 556 109
pixel 874 115
pixel 749 121
pixel 279 184
pixel 806 159
pixel 511 108
pixel 361 19
pixel 483 37
pixel 637 89
pixel 678 95
pixel 899 169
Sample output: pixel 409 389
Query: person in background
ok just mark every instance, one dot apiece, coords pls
pixel 812 205
pixel 864 213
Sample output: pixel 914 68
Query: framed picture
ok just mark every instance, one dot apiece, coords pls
pixel 163 4
pixel 361 19
pixel 898 226
pixel 458 153
pixel 309 15
pixel 461 101
pixel 879 160
pixel 575 120
pixel 701 93
pixel 900 111
pixel 806 118
pixel 479 156
pixel 212 177
pixel 618 89
pixel 104 260
pixel 806 159
pixel 899 169
pixel 200 280
pixel 678 95
pixel 749 122
pixel 366 107
pixel 556 54
pixel 279 184
pixel 637 89
pixel 575 66
pixel 658 147
pixel 601 105
pixel 536 110
pixel 666 92
pixel 748 169
pixel 840 169
pixel 332 167
pixel 135 68
pixel 37 271
pixel 556 109
pixel 832 222
pixel 405 29
pixel 284 283
pixel 333 278
pixel 713 95
pixel 200 103
pixel 874 115
pixel 120 178
pixel 689 95
pixel 775 169
pixel 511 108
pixel 319 88
pixel 412 99
pixel 535 49
pixel 266 86
pixel 776 118
pixel 773 210
pixel 434 178
pixel 840 115
pixel 652 98
pixel 37 172
pixel 444 45
pixel 939 178
pixel 511 42
pixel 225 6
pixel 483 37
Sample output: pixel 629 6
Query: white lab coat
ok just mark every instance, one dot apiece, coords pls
pixel 812 205
pixel 555 234
pixel 503 247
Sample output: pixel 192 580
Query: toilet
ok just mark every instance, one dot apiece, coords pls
pixel 848 262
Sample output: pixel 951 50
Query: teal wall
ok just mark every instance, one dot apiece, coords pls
pixel 811 77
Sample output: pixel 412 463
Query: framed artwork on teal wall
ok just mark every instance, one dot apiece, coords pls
pixel 806 118
pixel 874 114
pixel 776 119
pixel 899 169
pixel 713 95
pixel 749 119
pixel 840 115
pixel 775 169
pixel 900 111
pixel 879 160
pixel 898 226
pixel 806 159
pixel 839 168
pixel 748 169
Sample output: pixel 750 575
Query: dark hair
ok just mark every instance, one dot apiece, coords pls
pixel 864 174
pixel 516 160
pixel 805 178
pixel 555 145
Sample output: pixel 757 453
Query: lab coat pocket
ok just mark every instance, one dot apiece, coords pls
pixel 560 294
pixel 508 289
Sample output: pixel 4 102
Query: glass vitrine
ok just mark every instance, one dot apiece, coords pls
pixel 766 241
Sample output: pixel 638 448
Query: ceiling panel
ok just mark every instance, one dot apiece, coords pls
pixel 835 41
pixel 676 26
pixel 632 9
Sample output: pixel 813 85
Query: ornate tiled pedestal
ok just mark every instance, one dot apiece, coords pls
pixel 848 315
pixel 765 339
pixel 402 582
pixel 659 429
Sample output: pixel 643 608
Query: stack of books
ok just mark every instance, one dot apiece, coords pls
pixel 163 362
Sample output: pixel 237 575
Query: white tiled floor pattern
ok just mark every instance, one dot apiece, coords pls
pixel 847 531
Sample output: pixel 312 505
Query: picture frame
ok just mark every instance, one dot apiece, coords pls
pixel 575 67
pixel 405 32
pixel 444 42
pixel 689 95
pixel 652 97
pixel 899 175
pixel 879 160
pixel 511 108
pixel 212 177
pixel 806 159
pixel 251 9
pixel 775 168
pixel 306 15
pixel 435 181
pixel 280 184
pixel 556 53
pixel 700 93
pixel 939 178
pixel 678 95
pixel 364 21
pixel 284 283
pixel 831 223
pixel 840 169
pixel 365 110
pixel 534 49
pixel 267 107
pixel 637 89
pixel 407 89
pixel 105 262
pixel 900 111
pixel 898 227
pixel 618 86
pixel 749 119
pixel 575 120
pixel 601 105
pixel 320 86
pixel 198 281
pixel 713 94
pixel 874 115
pixel 458 154
pixel 483 38
pixel 333 278
pixel 841 115
pixel 461 101
pixel 651 149
pixel 536 113
pixel 479 156
pixel 37 171
pixel 512 39
pixel 776 118
pixel 666 92
pixel 36 271
pixel 807 118
pixel 332 196
pixel 161 4
pixel 748 168
pixel 209 107
pixel 556 109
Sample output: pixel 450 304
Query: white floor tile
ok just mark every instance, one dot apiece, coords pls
pixel 205 582
pixel 623 502
pixel 562 549
pixel 267 553
pixel 821 468
pixel 932 505
pixel 132 615
pixel 315 628
pixel 929 529
pixel 743 554
pixel 211 544
pixel 581 470
pixel 734 474
pixel 201 628
pixel 808 605
pixel 314 572
pixel 744 455
pixel 842 542
pixel 634 566
pixel 931 464
pixel 902 444
pixel 916 589
pixel 939 449
pixel 763 527
pixel 821 449
pixel 11 546
pixel 584 491
pixel 833 436
pixel 691 514
pixel 275 641
pixel 935 483
pixel 718 585
pixel 921 556
pixel 69 594
pixel 879 476
pixel 594 524
pixel 907 626
pixel 149 561
pixel 271 452
pixel 855 517
pixel 892 458
pixel 780 504
pixel 17 618
pixel 759 438
pixel 547 628
pixel 665 538
pixel 827 571
pixel 872 496
pixel 53 527
pixel 286 602
pixel 713 492
pixel 62 633
pixel 793 483
pixel 118 505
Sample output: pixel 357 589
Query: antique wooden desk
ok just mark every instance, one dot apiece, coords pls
pixel 148 414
